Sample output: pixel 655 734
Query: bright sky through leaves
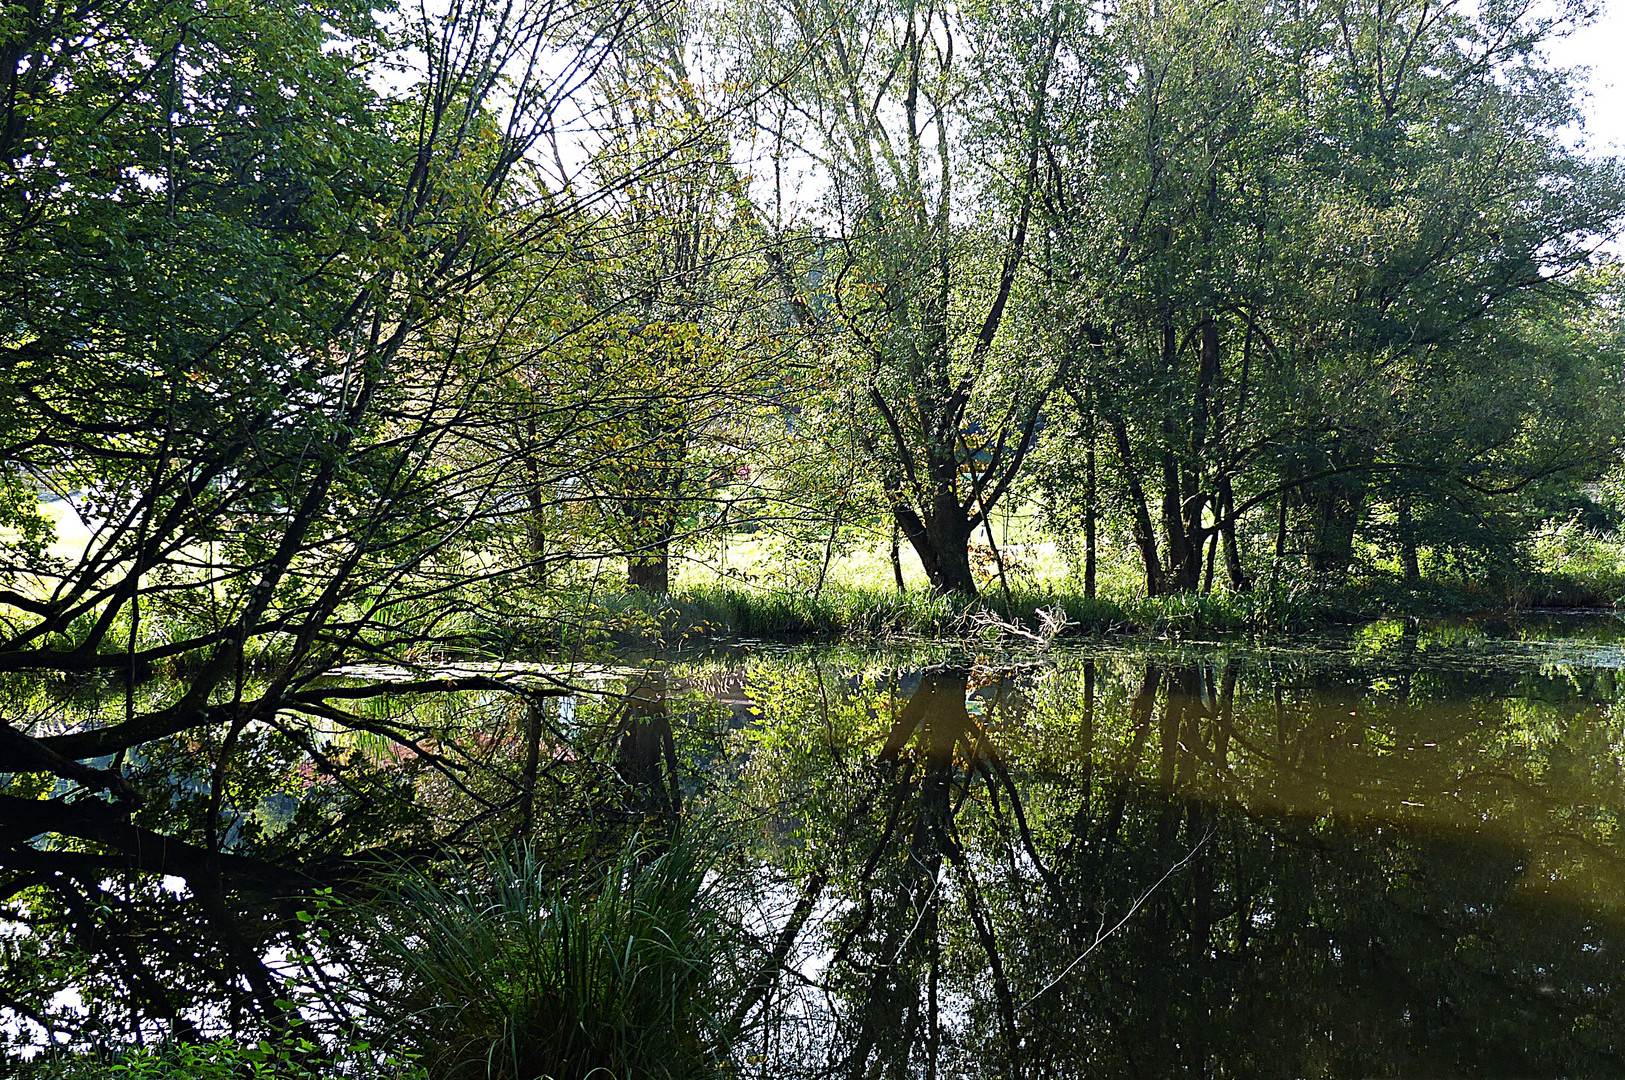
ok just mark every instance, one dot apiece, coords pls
pixel 1601 48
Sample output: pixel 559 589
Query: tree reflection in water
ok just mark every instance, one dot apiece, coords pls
pixel 1190 868
pixel 1399 859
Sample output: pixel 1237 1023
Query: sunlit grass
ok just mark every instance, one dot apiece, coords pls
pixel 698 614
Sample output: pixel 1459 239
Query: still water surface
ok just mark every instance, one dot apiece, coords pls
pixel 1391 852
pixel 1395 853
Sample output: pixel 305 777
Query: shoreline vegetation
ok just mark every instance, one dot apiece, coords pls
pixel 856 614
pixel 1579 572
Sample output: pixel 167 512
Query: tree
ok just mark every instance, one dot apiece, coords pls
pixel 930 244
pixel 1257 243
pixel 256 311
pixel 689 270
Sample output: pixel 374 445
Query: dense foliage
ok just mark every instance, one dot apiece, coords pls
pixel 342 341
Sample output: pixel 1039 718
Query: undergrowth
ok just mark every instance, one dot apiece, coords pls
pixel 1291 605
pixel 861 613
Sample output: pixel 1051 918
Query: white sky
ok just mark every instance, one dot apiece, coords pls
pixel 1600 47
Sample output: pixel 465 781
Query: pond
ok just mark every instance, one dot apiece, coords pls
pixel 1393 854
pixel 1394 851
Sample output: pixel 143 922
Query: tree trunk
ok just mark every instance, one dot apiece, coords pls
pixel 1184 504
pixel 536 500
pixel 650 570
pixel 1336 512
pixel 897 559
pixel 1239 582
pixel 1184 567
pixel 535 535
pixel 1212 549
pixel 1193 501
pixel 1145 537
pixel 1407 542
pixel 953 570
pixel 1089 512
pixel 1280 538
pixel 652 484
pixel 533 759
pixel 943 545
pixel 941 536
pixel 829 555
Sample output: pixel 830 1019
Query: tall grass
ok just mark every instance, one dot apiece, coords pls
pixel 501 971
pixel 863 612
pixel 224 1059
pixel 1573 567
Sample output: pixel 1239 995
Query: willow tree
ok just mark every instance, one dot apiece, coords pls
pixel 1444 227
pixel 1274 233
pixel 923 271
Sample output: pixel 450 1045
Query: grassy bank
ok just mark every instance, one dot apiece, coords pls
pixel 752 592
pixel 847 611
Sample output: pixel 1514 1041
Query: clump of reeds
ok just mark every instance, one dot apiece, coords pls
pixel 502 970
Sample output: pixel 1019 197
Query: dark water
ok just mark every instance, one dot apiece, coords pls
pixel 1394 854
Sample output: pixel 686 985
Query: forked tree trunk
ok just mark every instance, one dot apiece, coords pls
pixel 942 541
pixel 940 530
pixel 1182 572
